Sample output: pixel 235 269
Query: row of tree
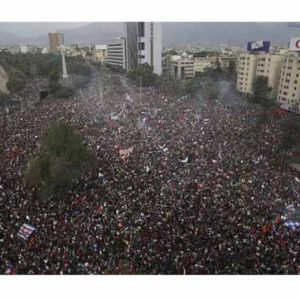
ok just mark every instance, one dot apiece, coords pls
pixel 143 75
pixel 24 67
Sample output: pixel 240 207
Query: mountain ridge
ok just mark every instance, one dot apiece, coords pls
pixel 174 33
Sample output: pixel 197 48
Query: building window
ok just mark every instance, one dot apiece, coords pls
pixel 141 29
pixel 141 46
pixel 141 56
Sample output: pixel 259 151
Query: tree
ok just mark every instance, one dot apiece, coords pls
pixel 210 92
pixel 61 159
pixel 191 86
pixel 291 132
pixel 167 85
pixel 64 91
pixel 262 93
pixel 16 81
pixel 53 83
pixel 57 89
pixel 79 68
pixel 143 73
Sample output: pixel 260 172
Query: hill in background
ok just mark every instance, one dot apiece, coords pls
pixel 174 33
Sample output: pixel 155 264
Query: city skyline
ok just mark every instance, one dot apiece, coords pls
pixel 194 33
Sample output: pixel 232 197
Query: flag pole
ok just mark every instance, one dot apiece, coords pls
pixel 140 88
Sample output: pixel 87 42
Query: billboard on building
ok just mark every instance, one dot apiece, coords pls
pixel 295 44
pixel 258 46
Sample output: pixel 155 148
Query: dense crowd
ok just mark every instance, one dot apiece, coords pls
pixel 197 193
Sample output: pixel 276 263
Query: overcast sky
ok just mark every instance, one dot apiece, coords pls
pixel 37 28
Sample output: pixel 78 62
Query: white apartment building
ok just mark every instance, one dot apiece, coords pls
pixel 99 52
pixel 116 53
pixel 289 85
pixel 182 68
pixel 247 64
pixel 269 65
pixel 227 61
pixel 144 45
pixel 201 64
pixel 251 65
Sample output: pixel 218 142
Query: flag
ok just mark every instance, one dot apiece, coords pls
pixel 185 160
pixel 10 271
pixel 142 123
pixel 292 225
pixel 291 208
pixel 25 231
pixel 188 159
pixel 113 117
pixel 278 219
pixel 163 148
pixel 124 153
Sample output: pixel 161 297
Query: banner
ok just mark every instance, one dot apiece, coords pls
pixel 295 44
pixel 258 46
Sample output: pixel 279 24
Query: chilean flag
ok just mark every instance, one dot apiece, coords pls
pixel 25 231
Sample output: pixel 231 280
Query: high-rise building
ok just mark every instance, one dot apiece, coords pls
pixel 56 39
pixel 247 64
pixel 252 65
pixel 289 85
pixel 269 65
pixel 116 53
pixel 144 45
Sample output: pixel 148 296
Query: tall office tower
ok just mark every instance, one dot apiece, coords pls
pixel 144 45
pixel 56 39
pixel 116 53
pixel 131 45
